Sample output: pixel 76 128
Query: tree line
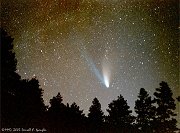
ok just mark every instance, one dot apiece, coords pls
pixel 22 105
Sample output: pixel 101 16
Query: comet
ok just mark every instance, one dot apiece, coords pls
pixel 106 73
pixel 104 76
pixel 106 81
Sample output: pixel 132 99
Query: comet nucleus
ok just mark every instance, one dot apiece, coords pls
pixel 106 73
pixel 106 81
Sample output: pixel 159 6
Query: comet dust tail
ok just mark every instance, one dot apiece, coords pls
pixel 106 72
pixel 106 81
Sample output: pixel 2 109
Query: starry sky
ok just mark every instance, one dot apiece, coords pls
pixel 95 48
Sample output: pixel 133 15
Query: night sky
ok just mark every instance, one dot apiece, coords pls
pixel 95 48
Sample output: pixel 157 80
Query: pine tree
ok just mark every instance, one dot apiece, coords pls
pixel 56 114
pixel 29 103
pixel 119 115
pixel 178 98
pixel 145 112
pixel 96 115
pixel 165 110
pixel 8 60
pixel 29 96
pixel 75 119
pixel 9 77
pixel 75 111
pixel 9 80
pixel 21 99
pixel 56 106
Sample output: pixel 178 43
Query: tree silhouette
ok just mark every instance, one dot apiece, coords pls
pixel 29 102
pixel 75 113
pixel 9 80
pixel 95 116
pixel 8 61
pixel 178 98
pixel 21 100
pixel 165 109
pixel 75 119
pixel 8 65
pixel 145 112
pixel 56 103
pixel 56 114
pixel 119 115
pixel 65 118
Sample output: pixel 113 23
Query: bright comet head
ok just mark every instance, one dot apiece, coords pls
pixel 106 72
pixel 106 81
